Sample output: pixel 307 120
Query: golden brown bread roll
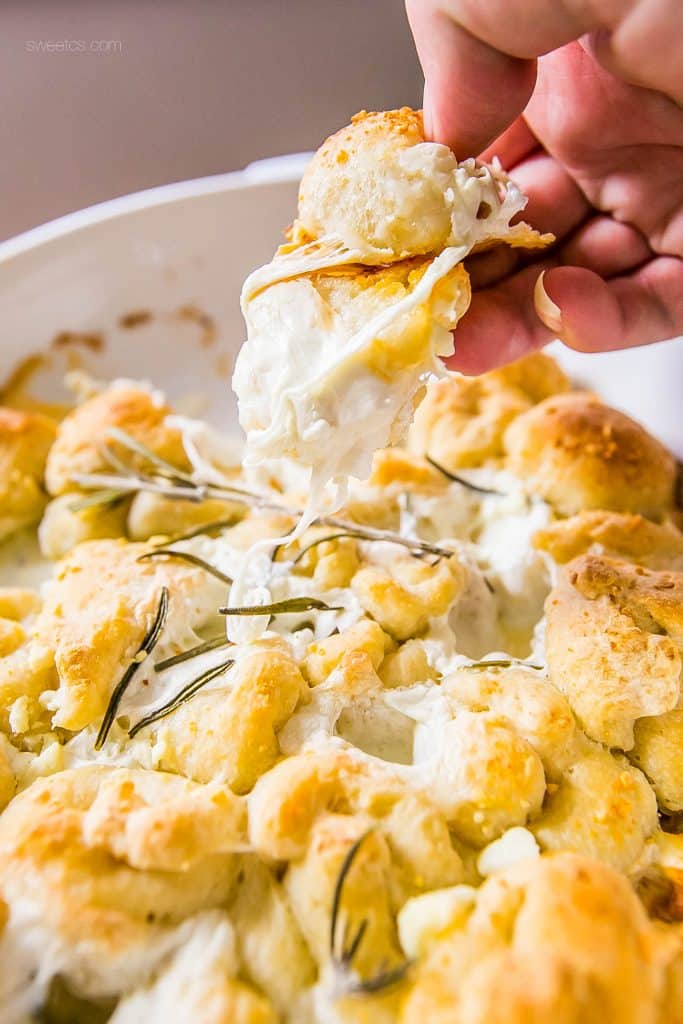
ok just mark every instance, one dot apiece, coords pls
pixel 461 420
pixel 559 938
pixel 579 454
pixel 25 440
pixel 134 409
pixel 613 644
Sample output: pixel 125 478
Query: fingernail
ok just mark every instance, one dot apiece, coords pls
pixel 549 312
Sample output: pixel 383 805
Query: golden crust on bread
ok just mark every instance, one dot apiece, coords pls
pixel 231 734
pixel 402 601
pixel 602 807
pixel 461 421
pixel 381 188
pixel 560 938
pixel 526 701
pixel 106 861
pixel 631 537
pixel 25 440
pixel 286 803
pixel 579 454
pixel 97 610
pixel 81 435
pixel 657 752
pixel 339 814
pixel 613 644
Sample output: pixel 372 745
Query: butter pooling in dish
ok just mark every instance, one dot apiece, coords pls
pixel 354 314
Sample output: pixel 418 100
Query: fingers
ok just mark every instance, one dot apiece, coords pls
pixel 500 326
pixel 606 247
pixel 645 48
pixel 593 315
pixel 555 201
pixel 516 142
pixel 479 57
pixel 473 91
pixel 589 314
pixel 623 145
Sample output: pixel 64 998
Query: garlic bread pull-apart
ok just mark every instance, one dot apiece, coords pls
pixel 350 318
pixel 415 762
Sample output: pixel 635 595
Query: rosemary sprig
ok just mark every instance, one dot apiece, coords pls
pixel 503 663
pixel 146 647
pixel 289 606
pixel 341 956
pixel 461 480
pixel 378 982
pixel 133 482
pixel 138 448
pixel 193 652
pixel 342 953
pixel 107 496
pixel 182 697
pixel 186 556
pixel 321 540
pixel 196 531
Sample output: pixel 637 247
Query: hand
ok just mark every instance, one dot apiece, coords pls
pixel 598 150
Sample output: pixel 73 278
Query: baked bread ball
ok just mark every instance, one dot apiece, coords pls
pixel 25 440
pixel 613 644
pixel 386 193
pixel 527 702
pixel 461 420
pixel 657 752
pixel 81 435
pixel 579 454
pixel 287 801
pixel 602 807
pixel 97 610
pixel 65 524
pixel 230 734
pixel 556 938
pixel 631 537
pixel 103 863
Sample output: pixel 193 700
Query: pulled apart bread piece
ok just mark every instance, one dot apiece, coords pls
pixel 349 319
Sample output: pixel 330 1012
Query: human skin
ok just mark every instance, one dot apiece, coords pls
pixel 582 101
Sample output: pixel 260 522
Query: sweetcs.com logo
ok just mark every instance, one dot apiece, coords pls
pixel 106 46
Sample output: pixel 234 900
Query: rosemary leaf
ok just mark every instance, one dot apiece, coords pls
pixel 186 556
pixel 461 480
pixel 503 663
pixel 347 864
pixel 138 448
pixel 112 459
pixel 378 982
pixel 197 531
pixel 182 697
pixel 322 540
pixel 108 496
pixel 342 958
pixel 146 647
pixel 193 652
pixel 289 606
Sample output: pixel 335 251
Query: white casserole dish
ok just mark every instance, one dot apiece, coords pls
pixel 181 251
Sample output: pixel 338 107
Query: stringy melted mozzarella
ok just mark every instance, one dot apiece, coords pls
pixel 308 383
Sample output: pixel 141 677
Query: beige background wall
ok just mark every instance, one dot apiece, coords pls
pixel 103 97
